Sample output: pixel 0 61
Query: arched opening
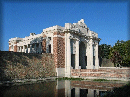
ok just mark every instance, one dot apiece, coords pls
pixel 82 55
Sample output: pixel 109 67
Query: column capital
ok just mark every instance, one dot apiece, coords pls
pixel 72 37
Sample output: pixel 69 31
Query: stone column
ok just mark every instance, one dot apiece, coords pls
pixel 35 47
pixel 67 88
pixel 90 93
pixel 27 49
pixel 68 59
pixel 90 55
pixel 20 49
pixel 30 48
pixel 96 57
pixel 23 48
pixel 77 92
pixel 77 55
pixel 39 47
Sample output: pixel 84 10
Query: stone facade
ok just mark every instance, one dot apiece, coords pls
pixel 73 46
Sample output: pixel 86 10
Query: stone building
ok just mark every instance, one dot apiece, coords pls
pixel 73 46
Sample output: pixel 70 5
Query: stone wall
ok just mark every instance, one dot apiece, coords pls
pixel 17 65
pixel 108 73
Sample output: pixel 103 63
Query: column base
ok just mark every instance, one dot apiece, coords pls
pixel 60 72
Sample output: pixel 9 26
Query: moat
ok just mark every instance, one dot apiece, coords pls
pixel 62 88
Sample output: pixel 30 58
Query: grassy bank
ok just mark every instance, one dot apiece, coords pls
pixel 79 79
pixel 25 66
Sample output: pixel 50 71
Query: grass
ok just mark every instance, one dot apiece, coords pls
pixel 79 79
pixel 66 78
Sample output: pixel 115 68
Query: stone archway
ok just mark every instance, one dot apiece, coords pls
pixel 82 55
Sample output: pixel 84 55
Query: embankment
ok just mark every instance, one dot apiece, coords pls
pixel 17 65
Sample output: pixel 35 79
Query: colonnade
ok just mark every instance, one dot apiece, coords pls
pixel 30 48
pixel 91 47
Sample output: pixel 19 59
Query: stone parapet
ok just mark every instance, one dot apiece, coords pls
pixel 54 28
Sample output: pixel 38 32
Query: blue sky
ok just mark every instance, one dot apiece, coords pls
pixel 108 19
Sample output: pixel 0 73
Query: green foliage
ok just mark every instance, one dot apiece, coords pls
pixel 66 78
pixel 120 53
pixel 104 51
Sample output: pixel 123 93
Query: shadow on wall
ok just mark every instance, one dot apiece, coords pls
pixel 104 62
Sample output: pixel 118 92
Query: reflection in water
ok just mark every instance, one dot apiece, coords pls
pixel 59 89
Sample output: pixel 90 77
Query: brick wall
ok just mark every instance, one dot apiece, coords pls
pixel 102 72
pixel 59 50
pixel 15 47
pixel 10 46
pixel 44 45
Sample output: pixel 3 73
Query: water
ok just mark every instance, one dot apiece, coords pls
pixel 59 89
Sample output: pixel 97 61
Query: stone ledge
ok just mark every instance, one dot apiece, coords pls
pixel 26 81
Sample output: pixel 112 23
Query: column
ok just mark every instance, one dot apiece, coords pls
pixel 23 48
pixel 67 88
pixel 19 48
pixel 39 47
pixel 47 45
pixel 35 47
pixel 77 55
pixel 30 48
pixel 96 57
pixel 27 49
pixel 68 56
pixel 77 92
pixel 90 55
pixel 90 93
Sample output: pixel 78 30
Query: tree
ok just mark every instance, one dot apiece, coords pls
pixel 104 51
pixel 120 53
pixel 115 57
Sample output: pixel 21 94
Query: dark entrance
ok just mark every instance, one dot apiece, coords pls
pixel 50 48
pixel 82 55
pixel 73 60
pixel 83 92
